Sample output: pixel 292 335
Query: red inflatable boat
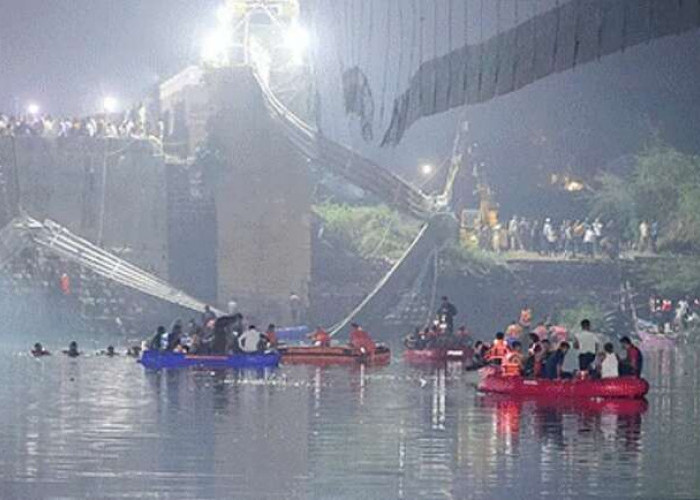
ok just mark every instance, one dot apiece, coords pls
pixel 619 388
pixel 335 355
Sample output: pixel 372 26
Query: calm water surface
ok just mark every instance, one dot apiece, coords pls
pixel 105 428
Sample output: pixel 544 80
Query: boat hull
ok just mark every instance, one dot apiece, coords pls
pixel 335 355
pixel 156 360
pixel 614 388
pixel 438 355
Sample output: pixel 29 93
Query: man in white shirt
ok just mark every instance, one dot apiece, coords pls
pixel 250 340
pixel 610 366
pixel 588 344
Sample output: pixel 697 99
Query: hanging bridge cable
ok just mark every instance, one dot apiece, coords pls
pixel 412 66
pixel 467 62
pixel 385 279
pixel 516 44
pixel 450 13
pixel 481 48
pixel 555 48
pixel 500 45
pixel 433 259
pixel 399 72
pixel 387 59
pixel 435 51
pixel 534 38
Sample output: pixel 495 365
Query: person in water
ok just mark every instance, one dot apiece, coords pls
pixel 320 337
pixel 554 367
pixel 360 339
pixel 39 351
pixel 72 351
pixel 251 340
pixel 632 364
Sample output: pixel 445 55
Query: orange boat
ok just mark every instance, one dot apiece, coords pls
pixel 335 355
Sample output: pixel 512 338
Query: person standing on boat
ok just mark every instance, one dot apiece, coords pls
pixel 554 367
pixel 360 339
pixel 609 364
pixel 250 340
pixel 632 364
pixel 208 315
pixel 588 345
pixel 446 314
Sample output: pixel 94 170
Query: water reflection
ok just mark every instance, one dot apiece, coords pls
pixel 101 428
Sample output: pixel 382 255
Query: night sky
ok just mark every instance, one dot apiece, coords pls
pixel 65 54
pixel 68 54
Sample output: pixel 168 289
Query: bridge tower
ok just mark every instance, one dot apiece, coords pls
pixel 261 191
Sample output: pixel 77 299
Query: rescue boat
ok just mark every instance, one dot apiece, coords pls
pixel 157 360
pixel 618 388
pixel 333 355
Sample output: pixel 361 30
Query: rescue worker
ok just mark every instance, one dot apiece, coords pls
pixel 513 362
pixel 72 351
pixel 609 365
pixel 446 314
pixel 271 336
pixel 632 364
pixel 588 345
pixel 156 341
pixel 320 338
pixel 498 351
pixel 360 339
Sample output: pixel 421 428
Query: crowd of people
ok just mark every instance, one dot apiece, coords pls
pixel 542 355
pixel 134 123
pixel 567 238
pixel 678 315
pixel 230 335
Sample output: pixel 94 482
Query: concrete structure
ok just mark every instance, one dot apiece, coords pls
pixel 109 191
pixel 263 202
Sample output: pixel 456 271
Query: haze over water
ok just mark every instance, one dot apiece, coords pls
pixel 105 428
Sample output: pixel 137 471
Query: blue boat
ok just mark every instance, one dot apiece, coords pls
pixel 156 360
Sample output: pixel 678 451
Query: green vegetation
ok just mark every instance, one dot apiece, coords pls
pixel 472 261
pixel 672 276
pixel 372 232
pixel 663 186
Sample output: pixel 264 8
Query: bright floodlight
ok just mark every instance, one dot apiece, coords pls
pixel 426 169
pixel 215 46
pixel 296 39
pixel 33 109
pixel 110 105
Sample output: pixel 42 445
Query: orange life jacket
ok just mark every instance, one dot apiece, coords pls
pixel 511 364
pixel 498 350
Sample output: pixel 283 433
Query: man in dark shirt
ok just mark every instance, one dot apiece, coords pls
pixel 447 313
pixel 632 364
pixel 554 367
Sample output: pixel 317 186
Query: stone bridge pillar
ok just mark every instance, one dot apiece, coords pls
pixel 262 196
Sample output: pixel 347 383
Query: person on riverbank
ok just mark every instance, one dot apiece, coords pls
pixel 588 345
pixel 360 339
pixel 554 367
pixel 632 364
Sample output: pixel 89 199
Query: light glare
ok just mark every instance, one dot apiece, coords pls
pixel 110 105
pixel 426 169
pixel 33 109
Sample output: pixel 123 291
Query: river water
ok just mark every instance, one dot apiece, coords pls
pixel 105 428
